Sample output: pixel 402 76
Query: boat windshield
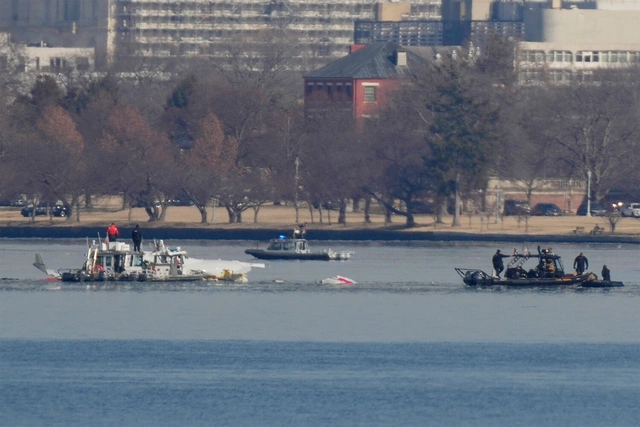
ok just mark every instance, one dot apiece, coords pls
pixel 275 246
pixel 136 261
pixel 289 246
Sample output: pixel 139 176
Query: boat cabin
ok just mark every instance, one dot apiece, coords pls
pixel 115 257
pixel 292 245
pixel 548 266
pixel 168 263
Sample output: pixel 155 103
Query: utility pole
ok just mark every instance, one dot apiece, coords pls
pixel 295 189
pixel 498 203
pixel 589 192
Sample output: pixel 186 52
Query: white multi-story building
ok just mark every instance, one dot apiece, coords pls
pixel 561 44
pixel 178 28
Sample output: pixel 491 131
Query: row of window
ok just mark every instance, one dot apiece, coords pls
pixel 370 92
pixel 339 89
pixel 557 76
pixel 540 56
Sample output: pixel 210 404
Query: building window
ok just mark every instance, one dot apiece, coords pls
pixel 585 76
pixel 560 56
pixel 560 76
pixel 615 57
pixel 370 93
pixel 330 91
pixel 349 90
pixel 634 57
pixel 532 76
pixel 587 56
pixel 534 56
pixel 309 88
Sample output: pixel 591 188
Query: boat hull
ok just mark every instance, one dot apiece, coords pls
pixel 272 255
pixel 479 278
pixel 81 276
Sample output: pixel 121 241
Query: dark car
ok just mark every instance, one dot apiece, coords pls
pixel 60 210
pixel 596 210
pixel 43 209
pixel 516 207
pixel 546 209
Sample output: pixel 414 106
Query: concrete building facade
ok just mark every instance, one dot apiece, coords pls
pixel 179 28
pixel 561 44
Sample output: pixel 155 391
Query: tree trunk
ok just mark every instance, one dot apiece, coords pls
pixel 256 209
pixel 204 215
pixel 356 204
pixel 311 212
pixel 387 216
pixel 163 212
pixel 456 208
pixel 367 211
pixel 342 213
pixel 441 212
pixel 411 222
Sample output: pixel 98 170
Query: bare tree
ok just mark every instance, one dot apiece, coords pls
pixel 596 126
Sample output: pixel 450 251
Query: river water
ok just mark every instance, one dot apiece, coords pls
pixel 409 344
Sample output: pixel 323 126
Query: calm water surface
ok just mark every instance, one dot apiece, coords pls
pixel 408 345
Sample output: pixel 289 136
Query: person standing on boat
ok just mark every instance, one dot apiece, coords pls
pixel 136 236
pixel 606 273
pixel 112 233
pixel 581 263
pixel 498 264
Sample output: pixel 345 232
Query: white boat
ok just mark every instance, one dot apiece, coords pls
pixel 116 261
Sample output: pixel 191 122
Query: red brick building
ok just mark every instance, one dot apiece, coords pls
pixel 359 83
pixel 364 80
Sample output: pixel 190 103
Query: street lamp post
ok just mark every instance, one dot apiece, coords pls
pixel 498 203
pixel 588 192
pixel 295 189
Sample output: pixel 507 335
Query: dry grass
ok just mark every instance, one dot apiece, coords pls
pixel 270 216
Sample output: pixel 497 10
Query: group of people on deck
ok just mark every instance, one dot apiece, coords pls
pixel 136 235
pixel 548 268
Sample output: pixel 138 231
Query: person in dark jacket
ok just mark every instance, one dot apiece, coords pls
pixel 498 264
pixel 112 233
pixel 581 263
pixel 606 273
pixel 136 236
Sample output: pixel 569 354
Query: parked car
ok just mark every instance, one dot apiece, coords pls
pixel 60 210
pixel 631 209
pixel 516 207
pixel 180 202
pixel 546 209
pixel 28 211
pixel 596 209
pixel 43 209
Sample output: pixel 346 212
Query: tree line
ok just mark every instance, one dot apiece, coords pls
pixel 236 135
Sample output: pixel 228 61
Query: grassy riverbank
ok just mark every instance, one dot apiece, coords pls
pixel 283 218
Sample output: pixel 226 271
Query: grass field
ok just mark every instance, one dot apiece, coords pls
pixel 106 211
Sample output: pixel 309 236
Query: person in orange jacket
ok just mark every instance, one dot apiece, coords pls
pixel 112 233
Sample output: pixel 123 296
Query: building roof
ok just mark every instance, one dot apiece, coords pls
pixel 374 61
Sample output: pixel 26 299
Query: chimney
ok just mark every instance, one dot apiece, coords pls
pixel 401 58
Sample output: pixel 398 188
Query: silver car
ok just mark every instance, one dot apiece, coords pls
pixel 631 209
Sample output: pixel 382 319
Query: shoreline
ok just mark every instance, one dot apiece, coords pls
pixel 265 234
